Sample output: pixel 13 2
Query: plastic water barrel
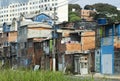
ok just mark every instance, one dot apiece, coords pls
pixel 102 21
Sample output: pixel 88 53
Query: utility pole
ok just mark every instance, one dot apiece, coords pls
pixel 54 40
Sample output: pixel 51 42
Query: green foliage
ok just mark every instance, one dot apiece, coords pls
pixel 88 7
pixel 20 75
pixel 29 75
pixel 107 11
pixel 74 16
pixel 105 8
pixel 99 16
pixel 74 6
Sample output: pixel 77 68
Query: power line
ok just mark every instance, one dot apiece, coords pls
pixel 72 1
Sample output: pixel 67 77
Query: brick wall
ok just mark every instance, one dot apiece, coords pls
pixel 60 47
pixel 73 47
pixel 12 36
pixel 116 42
pixel 88 40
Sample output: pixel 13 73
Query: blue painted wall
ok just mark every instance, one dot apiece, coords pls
pixel 55 35
pixel 107 49
pixel 107 44
pixel 118 29
pixel 6 28
pixel 43 18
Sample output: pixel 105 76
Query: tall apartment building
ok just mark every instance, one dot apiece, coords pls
pixel 10 9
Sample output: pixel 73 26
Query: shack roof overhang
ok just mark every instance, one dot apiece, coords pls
pixel 108 24
pixel 36 24
pixel 42 39
pixel 70 31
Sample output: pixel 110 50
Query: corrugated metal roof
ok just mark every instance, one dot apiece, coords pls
pixel 8 23
pixel 34 24
pixel 29 16
pixel 40 25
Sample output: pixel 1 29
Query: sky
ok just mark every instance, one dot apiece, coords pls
pixel 82 3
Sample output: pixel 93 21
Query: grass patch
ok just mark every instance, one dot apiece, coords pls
pixel 28 75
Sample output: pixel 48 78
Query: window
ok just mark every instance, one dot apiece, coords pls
pixel 48 4
pixel 75 37
pixel 30 44
pixel 55 3
pixel 23 4
pixel 116 31
pixel 7 34
pixel 87 12
pixel 46 8
pixel 36 6
pixel 110 32
pixel 52 4
pixel 83 12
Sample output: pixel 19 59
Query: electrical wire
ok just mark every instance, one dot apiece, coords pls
pixel 72 1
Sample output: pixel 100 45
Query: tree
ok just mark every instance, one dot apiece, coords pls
pixel 100 15
pixel 74 15
pixel 88 7
pixel 74 6
pixel 107 11
pixel 105 8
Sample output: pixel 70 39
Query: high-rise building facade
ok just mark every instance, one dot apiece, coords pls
pixel 10 9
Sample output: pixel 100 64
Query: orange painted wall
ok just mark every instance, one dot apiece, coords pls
pixel 12 36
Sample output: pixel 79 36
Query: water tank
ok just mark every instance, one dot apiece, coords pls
pixel 102 21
